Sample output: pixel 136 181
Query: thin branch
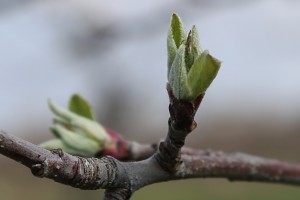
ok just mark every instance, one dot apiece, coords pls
pixel 137 151
pixel 239 167
pixel 83 173
pixel 129 151
pixel 107 172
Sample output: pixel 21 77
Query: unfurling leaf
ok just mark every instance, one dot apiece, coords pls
pixel 76 141
pixel 59 144
pixel 177 29
pixel 192 48
pixel 88 127
pixel 76 131
pixel 202 73
pixel 195 41
pixel 175 37
pixel 178 75
pixel 80 106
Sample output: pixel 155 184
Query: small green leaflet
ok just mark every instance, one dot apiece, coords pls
pixel 202 73
pixel 175 37
pixel 81 107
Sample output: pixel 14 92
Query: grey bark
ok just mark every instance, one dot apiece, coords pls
pixel 171 161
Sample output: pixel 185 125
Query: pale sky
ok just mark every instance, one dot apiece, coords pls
pixel 258 44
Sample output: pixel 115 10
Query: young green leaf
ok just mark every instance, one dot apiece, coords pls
pixel 177 29
pixel 202 73
pixel 189 56
pixel 90 128
pixel 195 41
pixel 59 144
pixel 80 106
pixel 76 141
pixel 178 75
pixel 175 37
pixel 192 48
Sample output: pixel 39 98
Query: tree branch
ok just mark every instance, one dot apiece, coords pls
pixel 171 161
pixel 129 151
pixel 239 166
pixel 139 151
pixel 109 173
pixel 83 173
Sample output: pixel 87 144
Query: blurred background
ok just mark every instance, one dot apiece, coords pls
pixel 114 54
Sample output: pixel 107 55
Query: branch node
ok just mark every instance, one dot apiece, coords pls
pixel 37 170
pixel 168 156
pixel 58 152
pixel 117 194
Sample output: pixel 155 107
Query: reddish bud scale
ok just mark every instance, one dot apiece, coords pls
pixel 118 149
pixel 183 111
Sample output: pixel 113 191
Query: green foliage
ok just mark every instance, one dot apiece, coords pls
pixel 177 30
pixel 202 73
pixel 178 75
pixel 190 71
pixel 76 131
pixel 81 107
pixel 82 144
pixel 175 37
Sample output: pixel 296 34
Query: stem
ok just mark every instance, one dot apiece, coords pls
pixel 121 179
pixel 181 123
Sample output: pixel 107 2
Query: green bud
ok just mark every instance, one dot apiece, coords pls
pixel 76 131
pixel 190 71
pixel 90 128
